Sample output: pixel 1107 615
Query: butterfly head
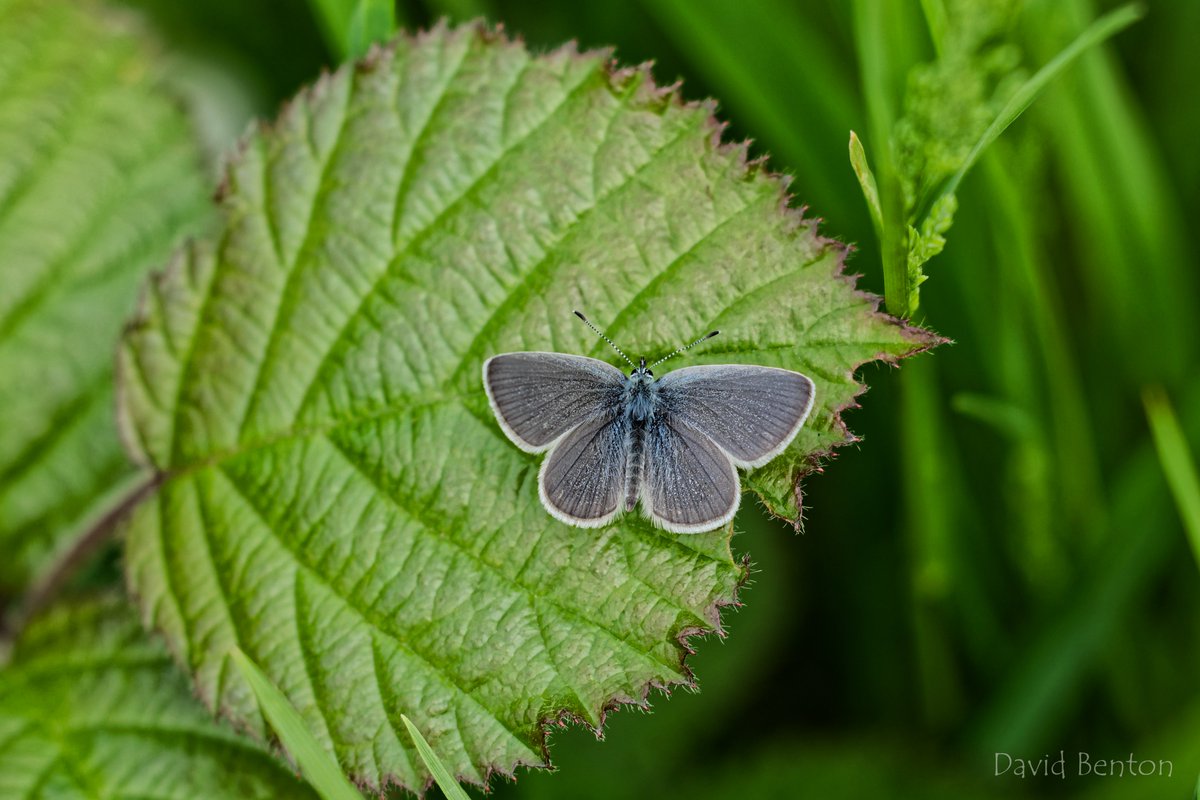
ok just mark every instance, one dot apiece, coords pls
pixel 640 393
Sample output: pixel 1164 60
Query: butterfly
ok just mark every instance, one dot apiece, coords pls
pixel 672 444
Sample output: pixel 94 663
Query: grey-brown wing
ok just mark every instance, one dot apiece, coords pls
pixel 537 397
pixel 582 481
pixel 688 485
pixel 751 412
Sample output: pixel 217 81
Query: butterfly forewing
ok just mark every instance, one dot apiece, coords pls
pixel 689 484
pixel 751 412
pixel 540 396
pixel 582 481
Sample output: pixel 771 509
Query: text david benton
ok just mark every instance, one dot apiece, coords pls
pixel 1082 765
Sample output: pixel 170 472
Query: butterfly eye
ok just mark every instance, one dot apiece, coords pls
pixel 650 373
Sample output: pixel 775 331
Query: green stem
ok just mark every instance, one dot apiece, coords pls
pixel 874 54
pixel 43 592
pixel 930 508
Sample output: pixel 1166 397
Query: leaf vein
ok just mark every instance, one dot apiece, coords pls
pixel 668 270
pixel 440 672
pixel 532 593
pixel 293 267
pixel 306 662
pixel 419 139
pixel 521 292
pixel 425 231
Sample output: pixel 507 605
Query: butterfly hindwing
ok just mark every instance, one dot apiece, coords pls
pixel 688 483
pixel 582 481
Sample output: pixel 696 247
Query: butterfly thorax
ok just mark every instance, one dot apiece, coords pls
pixel 641 395
pixel 640 403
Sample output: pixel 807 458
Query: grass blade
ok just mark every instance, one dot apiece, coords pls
pixel 441 775
pixel 1071 429
pixel 320 769
pixel 351 26
pixel 1096 33
pixel 333 18
pixel 936 21
pixel 1125 189
pixel 372 21
pixel 1042 689
pixel 1177 462
pixel 871 41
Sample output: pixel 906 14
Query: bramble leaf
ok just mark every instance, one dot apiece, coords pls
pixel 90 707
pixel 99 177
pixel 338 500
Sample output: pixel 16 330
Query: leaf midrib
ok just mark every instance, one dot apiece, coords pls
pixel 217 458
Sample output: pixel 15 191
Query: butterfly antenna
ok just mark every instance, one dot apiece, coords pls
pixel 600 333
pixel 685 348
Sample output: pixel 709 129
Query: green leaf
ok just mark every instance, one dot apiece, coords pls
pixel 866 180
pixel 338 499
pixel 90 707
pixel 99 178
pixel 441 775
pixel 317 764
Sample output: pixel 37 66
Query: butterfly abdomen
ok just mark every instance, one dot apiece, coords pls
pixel 634 465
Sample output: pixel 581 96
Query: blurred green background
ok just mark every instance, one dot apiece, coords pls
pixel 999 566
